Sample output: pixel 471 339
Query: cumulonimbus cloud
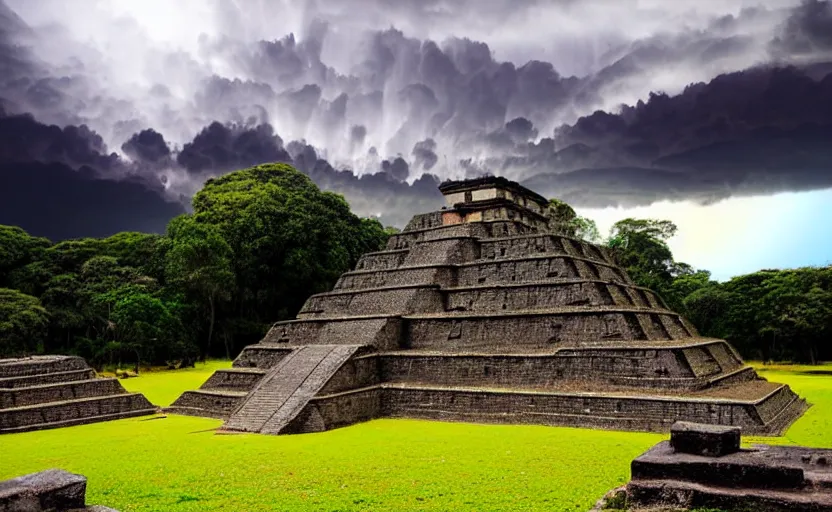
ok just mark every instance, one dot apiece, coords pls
pixel 382 114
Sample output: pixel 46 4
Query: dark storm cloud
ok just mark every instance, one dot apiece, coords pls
pixel 58 202
pixel 223 148
pixel 807 31
pixel 424 155
pixel 147 146
pixel 371 97
pixel 762 130
pixel 23 139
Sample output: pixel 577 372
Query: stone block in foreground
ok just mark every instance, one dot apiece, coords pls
pixel 701 439
pixel 53 490
pixel 763 478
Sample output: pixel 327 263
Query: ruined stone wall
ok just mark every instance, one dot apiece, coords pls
pixel 254 356
pixel 404 300
pixel 483 229
pixel 342 409
pixel 383 333
pixel 442 275
pixel 528 297
pixel 40 364
pixel 424 221
pixel 534 268
pixel 217 405
pixel 358 372
pixel 235 380
pixel 503 331
pixel 560 409
pixel 444 251
pixel 58 392
pixel 636 367
pixel 80 411
pixel 46 378
pixel 773 404
pixel 382 260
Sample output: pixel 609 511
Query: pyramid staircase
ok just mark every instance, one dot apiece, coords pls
pixel 480 312
pixel 57 391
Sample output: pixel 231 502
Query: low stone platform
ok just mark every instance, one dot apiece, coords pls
pixel 53 490
pixel 703 466
pixel 43 392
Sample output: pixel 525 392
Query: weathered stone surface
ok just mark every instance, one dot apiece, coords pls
pixel 700 439
pixel 484 312
pixel 763 478
pixel 50 489
pixel 53 490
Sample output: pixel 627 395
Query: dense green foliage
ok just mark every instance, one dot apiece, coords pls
pixel 772 315
pixel 179 464
pixel 565 220
pixel 259 242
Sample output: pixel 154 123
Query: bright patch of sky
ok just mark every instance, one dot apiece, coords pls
pixel 742 235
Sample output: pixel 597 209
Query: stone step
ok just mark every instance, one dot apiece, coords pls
pixel 208 403
pixel 74 412
pixel 644 411
pixel 627 367
pixel 234 379
pixel 536 329
pixel 261 356
pixel 37 365
pixel 46 378
pixel 382 260
pixel 386 300
pixel 59 392
pixel 287 388
pixel 542 295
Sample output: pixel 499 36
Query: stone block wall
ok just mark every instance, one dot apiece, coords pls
pixel 522 332
pixel 254 356
pixel 382 260
pixel 234 380
pixel 46 378
pixel 557 409
pixel 382 333
pixel 527 297
pixel 219 405
pixel 442 275
pixel 78 411
pixel 358 372
pixel 443 252
pixel 39 365
pixel 403 300
pixel 59 392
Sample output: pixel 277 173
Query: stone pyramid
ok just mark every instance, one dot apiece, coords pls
pixel 481 312
pixel 58 391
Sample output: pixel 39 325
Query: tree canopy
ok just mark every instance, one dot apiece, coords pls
pixel 258 243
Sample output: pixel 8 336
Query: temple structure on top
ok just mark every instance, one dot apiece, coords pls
pixel 482 312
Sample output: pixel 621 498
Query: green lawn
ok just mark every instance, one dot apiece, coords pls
pixel 178 464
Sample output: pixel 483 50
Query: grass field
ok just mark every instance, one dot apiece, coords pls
pixel 178 464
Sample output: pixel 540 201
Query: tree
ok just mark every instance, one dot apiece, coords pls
pixel 199 259
pixel 563 219
pixel 23 323
pixel 17 249
pixel 288 238
pixel 640 246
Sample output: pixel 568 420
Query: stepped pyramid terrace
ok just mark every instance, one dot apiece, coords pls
pixel 43 392
pixel 483 312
